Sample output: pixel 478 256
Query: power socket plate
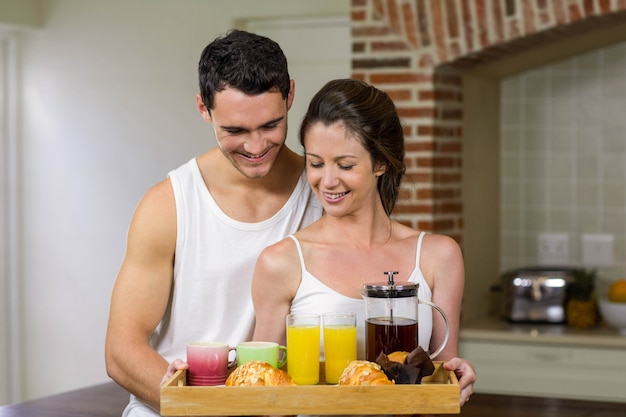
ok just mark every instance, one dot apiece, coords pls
pixel 598 250
pixel 553 249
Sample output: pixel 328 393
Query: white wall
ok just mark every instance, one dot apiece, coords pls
pixel 107 109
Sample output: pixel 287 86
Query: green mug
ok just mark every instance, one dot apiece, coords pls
pixel 261 351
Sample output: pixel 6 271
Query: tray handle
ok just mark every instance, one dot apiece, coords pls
pixel 179 379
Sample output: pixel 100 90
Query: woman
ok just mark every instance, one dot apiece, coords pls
pixel 354 149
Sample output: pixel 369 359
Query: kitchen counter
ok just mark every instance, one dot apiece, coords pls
pixel 546 360
pixel 494 328
pixel 108 400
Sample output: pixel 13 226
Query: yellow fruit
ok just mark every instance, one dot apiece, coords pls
pixel 581 313
pixel 617 291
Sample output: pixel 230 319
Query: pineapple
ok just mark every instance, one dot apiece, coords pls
pixel 581 308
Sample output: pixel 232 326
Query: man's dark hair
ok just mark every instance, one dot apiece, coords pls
pixel 246 61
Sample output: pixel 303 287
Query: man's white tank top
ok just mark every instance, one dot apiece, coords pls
pixel 214 262
pixel 313 296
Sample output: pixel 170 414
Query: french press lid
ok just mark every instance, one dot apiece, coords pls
pixel 389 289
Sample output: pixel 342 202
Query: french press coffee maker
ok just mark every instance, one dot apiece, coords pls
pixel 391 317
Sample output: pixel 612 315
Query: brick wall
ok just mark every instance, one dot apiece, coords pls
pixel 416 50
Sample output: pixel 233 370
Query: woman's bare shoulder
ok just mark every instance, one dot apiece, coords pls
pixel 439 242
pixel 279 257
pixel 278 266
pixel 441 256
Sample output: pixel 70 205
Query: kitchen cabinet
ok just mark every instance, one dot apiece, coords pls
pixel 546 360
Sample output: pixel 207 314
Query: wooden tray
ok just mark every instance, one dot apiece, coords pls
pixel 437 394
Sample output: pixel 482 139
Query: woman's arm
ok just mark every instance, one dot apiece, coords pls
pixel 276 278
pixel 447 273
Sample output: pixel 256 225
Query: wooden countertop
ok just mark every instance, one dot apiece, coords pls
pixel 108 400
pixel 105 400
pixel 491 405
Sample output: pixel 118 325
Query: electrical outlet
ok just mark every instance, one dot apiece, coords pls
pixel 598 250
pixel 553 249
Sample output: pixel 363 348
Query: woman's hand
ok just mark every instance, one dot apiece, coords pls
pixel 466 375
pixel 177 365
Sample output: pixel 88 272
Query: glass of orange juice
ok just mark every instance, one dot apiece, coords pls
pixel 339 344
pixel 303 348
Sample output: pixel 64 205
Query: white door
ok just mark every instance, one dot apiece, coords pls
pixel 317 50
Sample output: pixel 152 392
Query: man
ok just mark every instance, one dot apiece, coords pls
pixel 195 237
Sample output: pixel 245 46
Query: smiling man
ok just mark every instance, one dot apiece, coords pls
pixel 195 237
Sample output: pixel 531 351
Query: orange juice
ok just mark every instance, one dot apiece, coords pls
pixel 339 350
pixel 303 353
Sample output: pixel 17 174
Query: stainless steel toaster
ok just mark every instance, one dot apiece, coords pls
pixel 535 294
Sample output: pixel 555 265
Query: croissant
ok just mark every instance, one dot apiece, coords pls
pixel 257 373
pixel 363 373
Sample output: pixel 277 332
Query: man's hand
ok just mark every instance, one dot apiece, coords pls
pixel 177 365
